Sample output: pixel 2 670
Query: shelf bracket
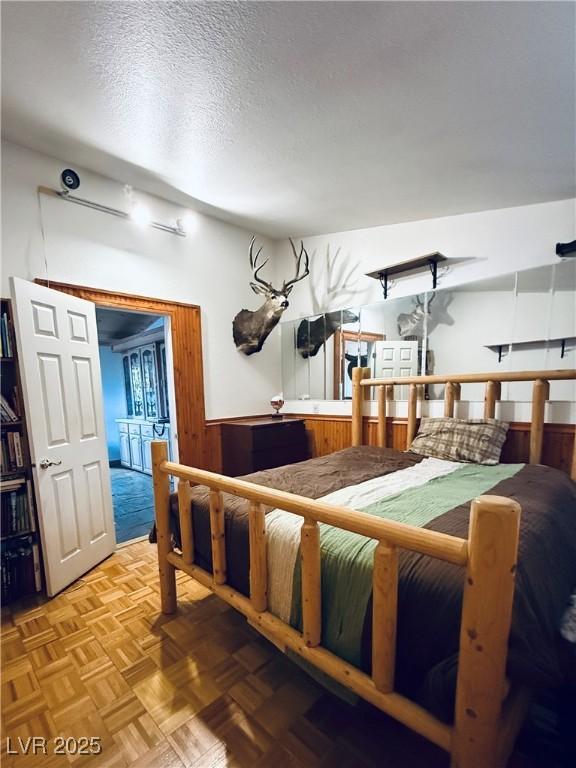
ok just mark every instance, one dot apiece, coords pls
pixel 433 264
pixel 383 277
pixel 500 353
pixel 563 348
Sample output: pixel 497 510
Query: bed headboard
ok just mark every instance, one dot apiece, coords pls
pixel 361 384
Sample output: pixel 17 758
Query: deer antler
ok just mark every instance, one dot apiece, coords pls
pixel 255 267
pixel 298 257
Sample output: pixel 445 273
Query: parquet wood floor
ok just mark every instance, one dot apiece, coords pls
pixel 200 689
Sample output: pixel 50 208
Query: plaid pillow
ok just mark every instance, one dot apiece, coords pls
pixel 475 440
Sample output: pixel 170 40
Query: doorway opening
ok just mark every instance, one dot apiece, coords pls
pixel 138 408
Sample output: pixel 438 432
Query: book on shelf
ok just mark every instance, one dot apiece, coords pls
pixel 15 510
pixel 20 572
pixel 7 349
pixel 12 453
pixel 7 412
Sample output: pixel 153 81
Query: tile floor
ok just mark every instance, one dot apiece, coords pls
pixel 133 500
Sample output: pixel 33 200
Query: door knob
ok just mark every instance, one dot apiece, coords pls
pixel 45 463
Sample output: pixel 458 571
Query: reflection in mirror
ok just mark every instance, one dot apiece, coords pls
pixel 397 327
pixel 467 329
pixel 561 349
pixel 349 351
pixel 520 321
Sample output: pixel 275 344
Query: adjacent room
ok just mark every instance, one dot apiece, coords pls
pixel 288 384
pixel 132 349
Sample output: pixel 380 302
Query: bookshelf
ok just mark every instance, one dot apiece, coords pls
pixel 20 551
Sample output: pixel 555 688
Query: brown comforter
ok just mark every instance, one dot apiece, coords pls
pixel 430 591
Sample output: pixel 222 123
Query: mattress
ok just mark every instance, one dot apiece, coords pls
pixel 433 495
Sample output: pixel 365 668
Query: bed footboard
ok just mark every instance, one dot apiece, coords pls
pixel 483 730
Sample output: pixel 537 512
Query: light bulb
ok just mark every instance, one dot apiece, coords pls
pixel 187 223
pixel 140 214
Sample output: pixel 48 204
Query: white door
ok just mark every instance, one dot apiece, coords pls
pixel 63 393
pixel 395 359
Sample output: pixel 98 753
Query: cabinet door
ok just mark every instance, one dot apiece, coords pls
pixel 147 455
pixel 150 382
pixel 136 380
pixel 163 379
pixel 136 451
pixel 128 385
pixel 124 449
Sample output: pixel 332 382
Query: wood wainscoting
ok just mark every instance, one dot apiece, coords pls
pixel 186 336
pixel 332 433
pixel 327 434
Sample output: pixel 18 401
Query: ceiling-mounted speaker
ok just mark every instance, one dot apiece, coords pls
pixel 566 249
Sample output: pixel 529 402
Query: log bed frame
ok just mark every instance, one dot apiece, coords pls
pixel 488 713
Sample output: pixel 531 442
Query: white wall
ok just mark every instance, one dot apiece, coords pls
pixel 114 397
pixel 491 243
pixel 209 267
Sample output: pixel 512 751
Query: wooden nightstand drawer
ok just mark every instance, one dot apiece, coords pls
pixel 270 435
pixel 254 444
pixel 289 454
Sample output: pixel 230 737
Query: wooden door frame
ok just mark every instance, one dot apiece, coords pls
pixel 186 338
pixel 340 337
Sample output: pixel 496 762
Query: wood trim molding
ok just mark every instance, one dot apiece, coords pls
pixel 340 337
pixel 186 335
pixel 226 419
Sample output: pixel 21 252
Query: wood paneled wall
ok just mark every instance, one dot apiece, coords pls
pixel 327 434
pixel 332 433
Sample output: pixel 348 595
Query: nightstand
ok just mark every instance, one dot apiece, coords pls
pixel 254 444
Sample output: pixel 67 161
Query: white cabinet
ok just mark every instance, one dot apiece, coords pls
pixel 135 443
pixel 125 449
pixel 147 454
pixel 136 452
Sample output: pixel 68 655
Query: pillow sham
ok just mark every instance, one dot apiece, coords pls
pixel 477 441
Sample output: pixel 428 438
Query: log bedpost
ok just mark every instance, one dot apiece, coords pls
pixel 311 583
pixel 486 618
pixel 384 613
pixel 493 393
pixel 185 513
pixel 412 405
pixel 357 405
pixel 449 399
pixel 540 393
pixel 217 537
pixel 381 394
pixel 159 451
pixel 258 562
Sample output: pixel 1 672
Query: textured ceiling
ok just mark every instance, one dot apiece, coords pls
pixel 302 118
pixel 114 324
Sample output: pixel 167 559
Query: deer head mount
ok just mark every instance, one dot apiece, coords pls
pixel 251 329
pixel 312 334
pixel 412 323
pixel 355 361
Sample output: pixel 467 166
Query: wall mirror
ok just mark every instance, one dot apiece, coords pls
pixel 519 321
